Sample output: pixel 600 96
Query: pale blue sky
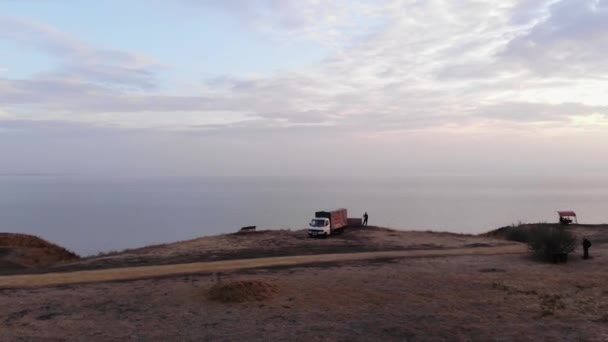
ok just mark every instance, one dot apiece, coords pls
pixel 226 86
pixel 193 43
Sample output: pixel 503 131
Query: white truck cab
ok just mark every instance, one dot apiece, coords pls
pixel 319 226
pixel 328 223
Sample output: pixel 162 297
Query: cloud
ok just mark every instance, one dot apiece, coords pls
pixel 329 22
pixel 281 14
pixel 539 112
pixel 530 13
pixel 80 61
pixel 429 65
pixel 571 41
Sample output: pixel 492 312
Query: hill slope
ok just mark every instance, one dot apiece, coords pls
pixel 276 243
pixel 22 251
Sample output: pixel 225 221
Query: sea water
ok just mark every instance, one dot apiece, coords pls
pixel 93 214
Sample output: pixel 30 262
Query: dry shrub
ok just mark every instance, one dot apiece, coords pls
pixel 547 241
pixel 549 304
pixel 517 233
pixel 544 240
pixel 241 291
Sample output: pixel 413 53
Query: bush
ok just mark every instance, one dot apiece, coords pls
pixel 517 233
pixel 241 291
pixel 547 241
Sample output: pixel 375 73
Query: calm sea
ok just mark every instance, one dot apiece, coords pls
pixel 89 215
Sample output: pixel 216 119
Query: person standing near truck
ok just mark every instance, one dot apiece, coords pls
pixel 365 217
pixel 586 246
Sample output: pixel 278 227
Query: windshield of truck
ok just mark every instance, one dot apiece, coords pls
pixel 317 223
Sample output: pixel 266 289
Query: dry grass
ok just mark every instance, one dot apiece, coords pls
pixel 31 241
pixel 127 273
pixel 275 243
pixel 418 297
pixel 31 251
pixel 22 240
pixel 238 291
pixel 415 299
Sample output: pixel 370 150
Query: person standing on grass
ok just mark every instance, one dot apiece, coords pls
pixel 365 217
pixel 586 246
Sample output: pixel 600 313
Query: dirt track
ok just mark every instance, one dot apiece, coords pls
pixel 275 243
pixel 437 287
pixel 132 273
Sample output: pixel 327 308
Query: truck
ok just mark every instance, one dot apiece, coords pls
pixel 327 223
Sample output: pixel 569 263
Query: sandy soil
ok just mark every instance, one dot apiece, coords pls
pixel 141 272
pixel 508 297
pixel 279 243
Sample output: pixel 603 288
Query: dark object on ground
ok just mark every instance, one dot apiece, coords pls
pixel 560 257
pixel 365 217
pixel 248 229
pixel 517 233
pixel 586 246
pixel 355 222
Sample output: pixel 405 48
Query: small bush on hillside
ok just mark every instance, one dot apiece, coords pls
pixel 547 241
pixel 241 291
pixel 517 233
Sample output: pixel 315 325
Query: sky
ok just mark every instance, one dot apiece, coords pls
pixel 303 87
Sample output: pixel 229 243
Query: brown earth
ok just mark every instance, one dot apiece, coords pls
pixel 478 297
pixel 146 272
pixel 238 291
pixel 274 243
pixel 21 252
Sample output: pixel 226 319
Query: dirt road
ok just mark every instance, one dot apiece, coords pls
pixel 132 273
